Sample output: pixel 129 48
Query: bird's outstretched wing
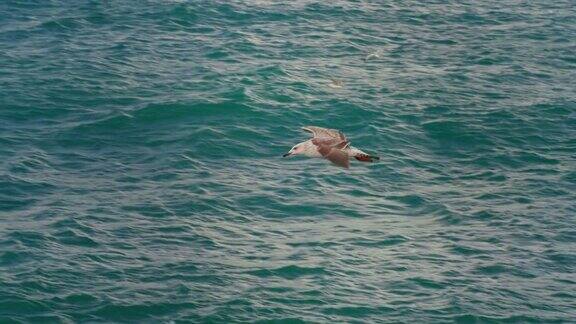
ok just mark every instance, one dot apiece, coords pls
pixel 335 155
pixel 325 132
pixel 330 142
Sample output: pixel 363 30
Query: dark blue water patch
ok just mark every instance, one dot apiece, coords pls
pixel 562 260
pixel 71 237
pixel 134 312
pixel 290 272
pixel 11 258
pixel 77 299
pixel 15 193
pixel 470 318
pixel 315 244
pixel 28 238
pixel 566 296
pixel 16 306
pixel 468 250
pixel 388 241
pixel 428 283
pixel 357 312
pixel 178 111
pixel 455 133
pixel 184 15
pixel 286 320
pixel 70 223
pixel 485 215
pixel 492 270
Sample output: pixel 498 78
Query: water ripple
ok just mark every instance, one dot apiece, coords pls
pixel 142 179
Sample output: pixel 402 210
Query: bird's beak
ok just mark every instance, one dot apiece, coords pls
pixel 287 154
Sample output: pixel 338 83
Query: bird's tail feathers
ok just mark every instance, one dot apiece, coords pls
pixel 366 157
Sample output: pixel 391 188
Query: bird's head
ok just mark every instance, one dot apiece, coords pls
pixel 295 150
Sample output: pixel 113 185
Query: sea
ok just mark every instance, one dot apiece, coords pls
pixel 142 177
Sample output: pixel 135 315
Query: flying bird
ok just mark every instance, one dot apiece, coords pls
pixel 330 144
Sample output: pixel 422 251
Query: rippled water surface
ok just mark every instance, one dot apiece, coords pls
pixel 141 177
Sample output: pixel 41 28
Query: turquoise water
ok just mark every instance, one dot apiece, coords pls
pixel 141 178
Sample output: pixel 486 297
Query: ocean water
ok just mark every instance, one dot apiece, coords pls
pixel 141 177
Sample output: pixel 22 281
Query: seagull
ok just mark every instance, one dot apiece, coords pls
pixel 330 144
